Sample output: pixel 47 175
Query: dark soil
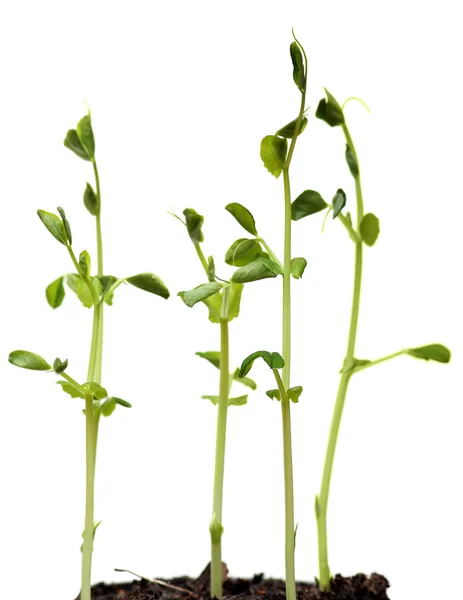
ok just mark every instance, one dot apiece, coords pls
pixel 359 587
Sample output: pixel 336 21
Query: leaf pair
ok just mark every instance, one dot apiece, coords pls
pixel 81 140
pixel 293 393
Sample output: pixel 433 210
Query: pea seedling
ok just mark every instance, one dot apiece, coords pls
pixel 223 299
pixel 366 232
pixel 93 292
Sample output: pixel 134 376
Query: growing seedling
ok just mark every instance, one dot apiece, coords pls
pixel 365 232
pixel 93 291
pixel 222 299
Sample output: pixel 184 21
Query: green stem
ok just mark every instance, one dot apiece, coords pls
pixel 81 275
pixel 272 255
pixel 216 527
pixel 87 547
pixel 321 505
pixel 73 382
pixel 378 361
pixel 201 256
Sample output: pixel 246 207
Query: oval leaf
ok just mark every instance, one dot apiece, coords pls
pixel 247 381
pixel 339 202
pixel 68 388
pixel 351 160
pixel 212 356
pixel 200 293
pixel 369 229
pixel 274 394
pixel 298 266
pixel 54 225
pixel 273 151
pixel 242 252
pixel 108 406
pixel 60 366
pixel 436 352
pixel 91 200
pixel 121 402
pixel 85 135
pixel 240 401
pixel 288 130
pixel 243 216
pixel 149 283
pixel 307 203
pixel 329 111
pixel 84 262
pixel 194 223
pixel 262 268
pixel 273 359
pixel 28 360
pixel 234 300
pixel 55 292
pixel 211 269
pixel 72 142
pixel 294 393
pixel 213 399
pixel 67 227
pixel 298 65
pixel 97 390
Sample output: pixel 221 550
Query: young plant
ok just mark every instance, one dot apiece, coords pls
pixel 94 291
pixel 256 261
pixel 223 299
pixel 365 232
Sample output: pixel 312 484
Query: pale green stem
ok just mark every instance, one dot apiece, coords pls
pixel 272 255
pixel 201 256
pixel 321 504
pixel 378 361
pixel 73 382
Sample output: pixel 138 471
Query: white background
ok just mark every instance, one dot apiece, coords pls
pixel 181 94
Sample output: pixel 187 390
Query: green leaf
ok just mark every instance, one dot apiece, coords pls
pixel 234 300
pixel 239 401
pixel 200 293
pixel 242 252
pixel 91 200
pixel 211 269
pixel 213 399
pixel 369 229
pixel 108 406
pixel 247 381
pixel 274 394
pixel 298 266
pixel 85 135
pixel 194 223
pixel 55 292
pixel 307 203
pixel 83 292
pixel 67 227
pixel 73 280
pixel 243 216
pixel 72 142
pixel 106 282
pixel 149 283
pixel 288 130
pixel 60 366
pixel 68 388
pixel 298 65
pixel 273 151
pixel 294 393
pixel 84 262
pixel 329 111
pixel 54 225
pixel 214 305
pixel 28 360
pixel 352 163
pixel 339 202
pixel 121 402
pixel 273 359
pixel 97 390
pixel 261 268
pixel 212 356
pixel 436 352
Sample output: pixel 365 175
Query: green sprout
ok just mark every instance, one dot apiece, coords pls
pixel 365 232
pixel 94 291
pixel 223 299
pixel 256 261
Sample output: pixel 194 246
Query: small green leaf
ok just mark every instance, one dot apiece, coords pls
pixel 55 292
pixel 121 402
pixel 96 524
pixel 307 203
pixel 91 200
pixel 261 268
pixel 200 293
pixel 239 401
pixel 73 280
pixel 214 305
pixel 97 390
pixel 211 269
pixel 369 229
pixel 234 300
pixel 54 225
pixel 194 223
pixel 59 366
pixel 436 352
pixel 83 292
pixel 329 111
pixel 28 360
pixel 294 393
pixel 213 399
pixel 274 394
pixel 288 130
pixel 339 202
pixel 149 283
pixel 68 388
pixel 212 356
pixel 298 65
pixel 247 381
pixel 243 216
pixel 84 262
pixel 273 151
pixel 85 135
pixel 352 163
pixel 298 266
pixel 67 227
pixel 242 252
pixel 72 142
pixel 106 282
pixel 273 359
pixel 108 406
